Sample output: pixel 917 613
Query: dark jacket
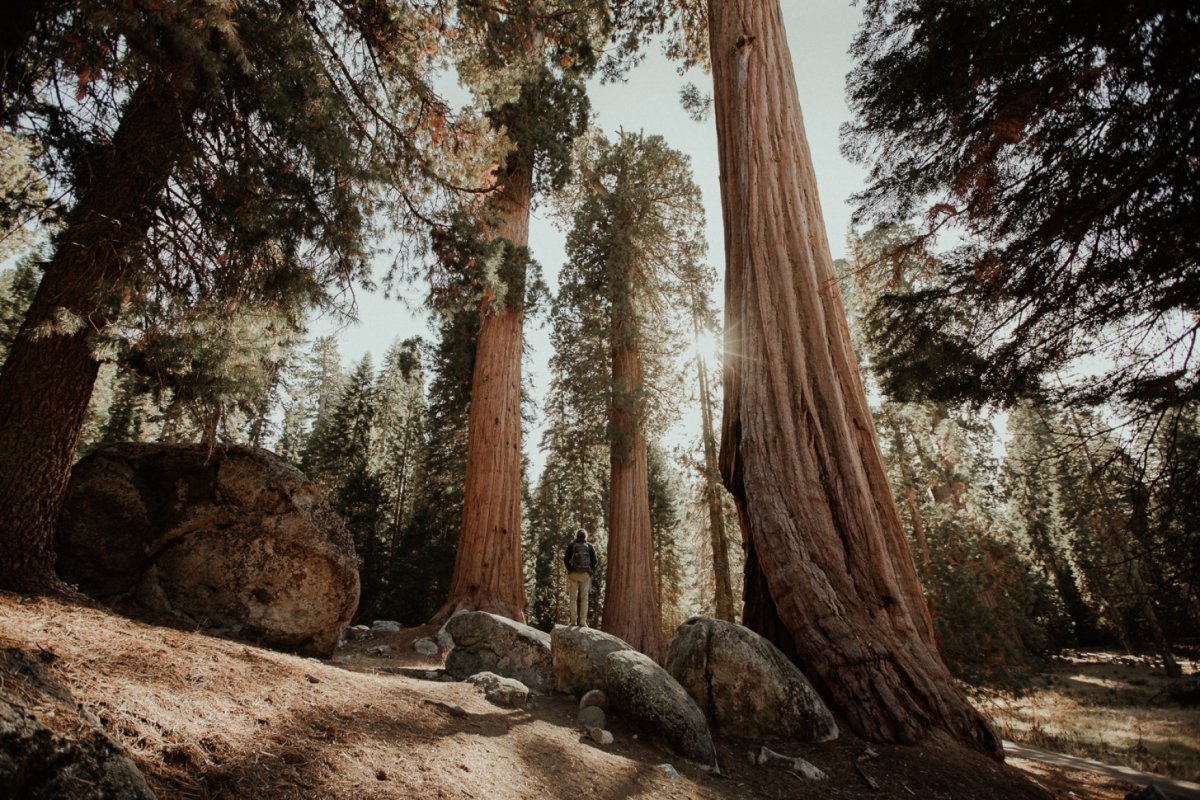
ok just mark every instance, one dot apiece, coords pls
pixel 567 553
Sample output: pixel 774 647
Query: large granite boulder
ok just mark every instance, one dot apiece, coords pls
pixel 579 655
pixel 50 746
pixel 745 685
pixel 486 642
pixel 648 698
pixel 236 540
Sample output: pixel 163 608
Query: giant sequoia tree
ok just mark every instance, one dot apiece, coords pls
pixel 633 257
pixel 192 170
pixel 526 61
pixel 830 577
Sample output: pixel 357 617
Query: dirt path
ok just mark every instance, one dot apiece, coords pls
pixel 1185 790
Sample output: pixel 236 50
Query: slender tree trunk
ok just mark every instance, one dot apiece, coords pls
pixel 631 609
pixel 799 450
pixel 47 381
pixel 488 566
pixel 723 592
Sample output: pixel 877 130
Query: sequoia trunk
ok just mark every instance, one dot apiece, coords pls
pixel 630 605
pixel 833 572
pixel 487 568
pixel 47 381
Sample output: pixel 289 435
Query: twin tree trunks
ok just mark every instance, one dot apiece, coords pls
pixel 830 576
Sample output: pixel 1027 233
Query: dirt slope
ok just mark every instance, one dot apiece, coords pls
pixel 207 718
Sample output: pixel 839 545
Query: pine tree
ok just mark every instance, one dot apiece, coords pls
pixel 425 555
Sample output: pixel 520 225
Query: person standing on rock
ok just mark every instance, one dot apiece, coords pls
pixel 580 558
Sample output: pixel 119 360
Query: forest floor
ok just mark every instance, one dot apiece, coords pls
pixel 205 718
pixel 1104 706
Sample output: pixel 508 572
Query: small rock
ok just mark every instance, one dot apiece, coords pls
pixel 499 690
pixel 594 698
pixel 380 775
pixel 386 626
pixel 668 771
pixel 592 717
pixel 382 650
pixel 356 632
pixel 600 736
pixel 426 646
pixel 313 679
pixel 445 640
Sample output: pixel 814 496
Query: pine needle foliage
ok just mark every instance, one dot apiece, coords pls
pixel 1058 140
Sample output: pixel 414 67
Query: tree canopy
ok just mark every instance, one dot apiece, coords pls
pixel 1059 140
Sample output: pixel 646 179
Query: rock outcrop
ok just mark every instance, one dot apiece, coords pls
pixel 235 540
pixel 51 747
pixel 648 698
pixel 579 655
pixel 486 642
pixel 745 685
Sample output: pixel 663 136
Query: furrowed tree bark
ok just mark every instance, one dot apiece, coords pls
pixel 488 565
pixel 828 557
pixel 47 381
pixel 631 609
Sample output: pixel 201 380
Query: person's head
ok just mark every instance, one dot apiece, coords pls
pixel 581 535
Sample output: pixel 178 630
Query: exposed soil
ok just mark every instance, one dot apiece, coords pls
pixel 207 718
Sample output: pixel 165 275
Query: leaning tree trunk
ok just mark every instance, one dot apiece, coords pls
pixel 631 609
pixel 47 381
pixel 828 561
pixel 488 567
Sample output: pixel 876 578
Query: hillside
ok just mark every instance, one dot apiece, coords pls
pixel 206 717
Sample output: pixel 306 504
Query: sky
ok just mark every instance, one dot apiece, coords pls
pixel 819 34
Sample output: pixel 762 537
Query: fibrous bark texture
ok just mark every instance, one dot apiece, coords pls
pixel 47 381
pixel 799 452
pixel 631 603
pixel 487 568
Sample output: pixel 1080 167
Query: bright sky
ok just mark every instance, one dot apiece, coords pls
pixel 819 34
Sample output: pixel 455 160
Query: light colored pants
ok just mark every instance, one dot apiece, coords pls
pixel 578 586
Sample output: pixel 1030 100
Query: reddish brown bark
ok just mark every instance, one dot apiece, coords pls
pixel 631 609
pixel 47 381
pixel 488 565
pixel 799 449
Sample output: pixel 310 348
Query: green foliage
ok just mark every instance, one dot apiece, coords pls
pixel 1057 139
pixel 361 437
pixel 993 610
pixel 17 288
pixel 635 253
pixel 428 538
pixel 666 536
